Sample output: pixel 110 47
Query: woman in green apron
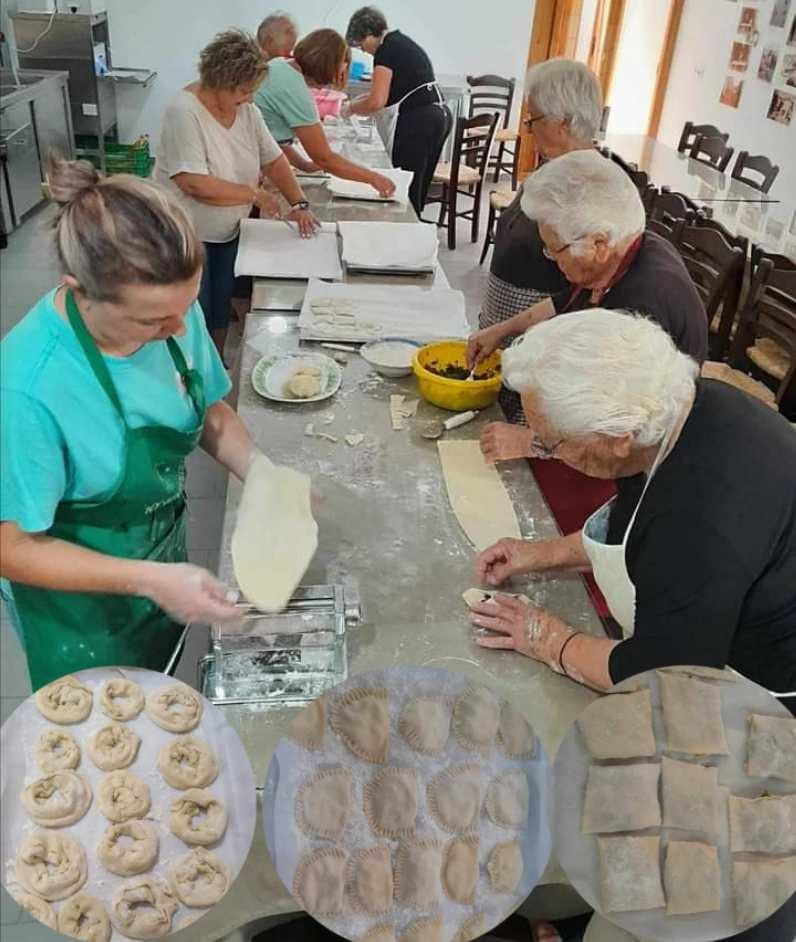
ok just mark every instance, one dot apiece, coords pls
pixel 108 384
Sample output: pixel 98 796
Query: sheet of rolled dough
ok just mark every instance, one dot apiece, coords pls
pixel 476 494
pixel 275 535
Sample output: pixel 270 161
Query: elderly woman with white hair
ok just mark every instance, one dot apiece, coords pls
pixel 696 555
pixel 592 226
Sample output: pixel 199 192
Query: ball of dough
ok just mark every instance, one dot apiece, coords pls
pixel 65 701
pixel 56 750
pixel 121 699
pixel 143 908
pixel 51 865
pixel 305 383
pixel 113 747
pixel 187 763
pixel 128 848
pixel 122 795
pixel 200 878
pixel 38 908
pixel 177 708
pixel 201 804
pixel 57 800
pixel 84 917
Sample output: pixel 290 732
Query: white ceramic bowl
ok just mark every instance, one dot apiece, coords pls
pixel 391 356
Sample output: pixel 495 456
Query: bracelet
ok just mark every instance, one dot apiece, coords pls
pixel 300 204
pixel 563 648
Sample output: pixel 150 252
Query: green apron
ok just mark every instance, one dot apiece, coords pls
pixel 142 516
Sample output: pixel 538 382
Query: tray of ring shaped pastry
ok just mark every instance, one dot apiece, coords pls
pixel 283 658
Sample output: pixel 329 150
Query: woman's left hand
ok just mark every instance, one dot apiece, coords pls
pixel 521 627
pixel 305 220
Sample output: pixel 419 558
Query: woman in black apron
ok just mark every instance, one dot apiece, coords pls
pixel 411 115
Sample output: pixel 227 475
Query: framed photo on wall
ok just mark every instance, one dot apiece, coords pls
pixel 779 15
pixel 739 57
pixel 731 92
pixel 747 25
pixel 781 107
pixel 789 70
pixel 768 63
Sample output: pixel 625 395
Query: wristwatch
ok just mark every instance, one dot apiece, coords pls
pixel 301 204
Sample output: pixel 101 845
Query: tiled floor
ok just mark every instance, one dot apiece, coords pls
pixel 28 270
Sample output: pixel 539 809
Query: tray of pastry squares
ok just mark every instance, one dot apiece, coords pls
pixel 675 811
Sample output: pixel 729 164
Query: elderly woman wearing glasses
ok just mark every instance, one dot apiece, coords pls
pixel 591 222
pixel 696 556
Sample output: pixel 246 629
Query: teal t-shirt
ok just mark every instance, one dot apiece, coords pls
pixel 60 437
pixel 285 101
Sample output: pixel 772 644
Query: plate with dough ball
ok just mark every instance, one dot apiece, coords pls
pixel 305 377
pixel 413 797
pixel 675 804
pixel 129 804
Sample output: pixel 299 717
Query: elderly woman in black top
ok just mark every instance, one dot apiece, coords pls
pixel 590 221
pixel 412 119
pixel 696 556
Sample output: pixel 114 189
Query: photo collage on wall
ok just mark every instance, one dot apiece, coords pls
pixel 775 35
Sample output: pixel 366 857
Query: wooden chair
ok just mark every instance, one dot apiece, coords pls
pixel 490 93
pixel 716 268
pixel 464 175
pixel 738 240
pixel 758 164
pixel 678 204
pixel 777 261
pixel 691 131
pixel 766 335
pixel 498 201
pixel 668 214
pixel 712 369
pixel 711 151
pixel 667 226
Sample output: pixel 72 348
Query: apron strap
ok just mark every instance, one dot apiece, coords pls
pixel 425 85
pixel 189 376
pixel 94 357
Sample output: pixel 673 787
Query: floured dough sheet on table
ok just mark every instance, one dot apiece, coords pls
pixel 271 248
pixel 234 785
pixel 578 853
pixel 360 312
pixel 354 190
pixel 293 766
pixel 476 494
pixel 389 246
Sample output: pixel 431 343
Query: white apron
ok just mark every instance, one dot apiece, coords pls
pixel 608 560
pixel 386 119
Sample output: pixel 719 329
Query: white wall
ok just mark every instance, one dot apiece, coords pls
pixel 707 31
pixel 460 36
pixel 640 45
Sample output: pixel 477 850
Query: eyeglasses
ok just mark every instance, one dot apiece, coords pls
pixel 542 451
pixel 529 122
pixel 553 254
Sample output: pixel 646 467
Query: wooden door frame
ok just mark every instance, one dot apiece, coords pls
pixel 605 38
pixel 554 32
pixel 665 66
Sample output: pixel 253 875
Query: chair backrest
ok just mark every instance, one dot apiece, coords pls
pixel 777 261
pixel 675 205
pixel 472 149
pixel 739 240
pixel 716 268
pixel 639 177
pixel 759 163
pixel 667 226
pixel 770 312
pixel 712 151
pixel 691 130
pixel 490 93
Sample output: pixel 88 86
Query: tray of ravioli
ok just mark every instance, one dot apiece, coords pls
pixel 675 810
pixel 409 805
pixel 128 804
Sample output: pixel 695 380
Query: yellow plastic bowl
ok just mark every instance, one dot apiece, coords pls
pixel 456 395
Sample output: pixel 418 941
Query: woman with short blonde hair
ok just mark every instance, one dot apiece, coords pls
pixel 213 152
pixel 107 385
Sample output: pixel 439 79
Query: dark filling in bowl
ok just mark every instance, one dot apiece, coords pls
pixel 452 371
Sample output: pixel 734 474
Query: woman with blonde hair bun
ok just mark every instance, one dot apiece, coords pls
pixel 108 383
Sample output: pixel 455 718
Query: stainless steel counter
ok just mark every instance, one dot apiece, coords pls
pixel 385 522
